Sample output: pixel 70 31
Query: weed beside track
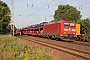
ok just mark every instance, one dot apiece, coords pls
pixel 16 50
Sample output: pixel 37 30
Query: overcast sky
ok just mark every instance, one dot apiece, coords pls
pixel 28 12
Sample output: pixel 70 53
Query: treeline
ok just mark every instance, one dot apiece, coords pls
pixel 4 18
pixel 85 26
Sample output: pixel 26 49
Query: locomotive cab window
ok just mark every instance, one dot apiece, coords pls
pixel 66 24
pixel 72 25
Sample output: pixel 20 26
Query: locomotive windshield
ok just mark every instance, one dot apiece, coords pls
pixel 69 24
pixel 72 24
pixel 66 24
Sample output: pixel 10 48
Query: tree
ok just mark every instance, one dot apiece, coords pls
pixel 85 26
pixel 4 17
pixel 67 12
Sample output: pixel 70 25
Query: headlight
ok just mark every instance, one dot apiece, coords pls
pixel 73 29
pixel 73 33
pixel 65 29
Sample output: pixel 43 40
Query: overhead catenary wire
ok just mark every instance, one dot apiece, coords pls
pixel 53 6
pixel 83 4
pixel 41 8
pixel 48 6
pixel 27 7
pixel 64 1
pixel 80 5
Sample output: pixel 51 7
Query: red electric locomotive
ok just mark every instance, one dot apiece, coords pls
pixel 64 30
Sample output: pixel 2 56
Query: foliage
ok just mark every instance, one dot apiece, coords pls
pixel 67 12
pixel 85 26
pixel 16 50
pixel 4 17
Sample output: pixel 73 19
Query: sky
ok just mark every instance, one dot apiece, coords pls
pixel 29 12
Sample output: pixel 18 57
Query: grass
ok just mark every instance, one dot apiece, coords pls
pixel 16 50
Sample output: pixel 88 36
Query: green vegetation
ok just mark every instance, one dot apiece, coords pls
pixel 17 50
pixel 85 26
pixel 67 12
pixel 4 17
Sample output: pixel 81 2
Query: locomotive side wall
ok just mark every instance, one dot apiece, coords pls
pixel 52 29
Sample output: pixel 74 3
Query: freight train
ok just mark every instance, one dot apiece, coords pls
pixel 64 30
pixel 61 30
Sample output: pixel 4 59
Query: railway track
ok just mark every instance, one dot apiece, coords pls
pixel 87 44
pixel 82 54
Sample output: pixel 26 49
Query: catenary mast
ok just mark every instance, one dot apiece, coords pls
pixel 12 17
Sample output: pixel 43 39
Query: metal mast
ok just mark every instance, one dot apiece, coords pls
pixel 45 18
pixel 12 17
